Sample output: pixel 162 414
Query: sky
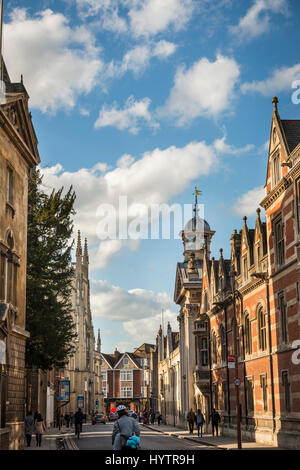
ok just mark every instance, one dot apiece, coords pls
pixel 146 99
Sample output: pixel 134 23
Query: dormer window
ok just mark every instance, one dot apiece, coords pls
pixel 276 169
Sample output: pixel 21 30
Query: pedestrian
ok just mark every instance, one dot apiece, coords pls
pixel 159 418
pixel 78 418
pixel 124 428
pixel 29 427
pixel 199 421
pixel 71 419
pixel 152 416
pixel 215 419
pixel 39 429
pixel 67 419
pixel 191 420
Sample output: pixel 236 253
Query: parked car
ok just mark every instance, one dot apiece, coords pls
pixel 100 418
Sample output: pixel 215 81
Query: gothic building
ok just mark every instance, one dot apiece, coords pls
pixel 18 155
pixel 250 305
pixel 83 369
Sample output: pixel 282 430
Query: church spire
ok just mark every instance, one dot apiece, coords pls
pixel 85 253
pixel 78 247
pixel 196 210
pixel 99 341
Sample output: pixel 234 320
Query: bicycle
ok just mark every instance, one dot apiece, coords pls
pixel 77 430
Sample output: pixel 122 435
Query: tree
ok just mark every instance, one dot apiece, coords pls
pixel 49 276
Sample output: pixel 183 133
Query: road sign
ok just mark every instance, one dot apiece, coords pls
pixel 237 382
pixel 80 401
pixel 64 390
pixel 231 362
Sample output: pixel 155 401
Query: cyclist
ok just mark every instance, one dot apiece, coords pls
pixel 124 428
pixel 78 422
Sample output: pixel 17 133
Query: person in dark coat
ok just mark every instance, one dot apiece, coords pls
pixel 39 429
pixel 159 419
pixel 29 427
pixel 78 419
pixel 191 420
pixel 215 419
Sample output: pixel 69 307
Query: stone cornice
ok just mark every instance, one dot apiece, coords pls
pixel 274 194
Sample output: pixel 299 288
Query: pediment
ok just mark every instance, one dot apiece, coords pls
pixel 16 110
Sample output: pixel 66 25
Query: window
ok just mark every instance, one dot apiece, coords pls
pixel 250 398
pixel 104 375
pixel 279 240
pixel 225 395
pixel 283 317
pixel 223 343
pixel 245 268
pixel 215 396
pixel 287 393
pixel 2 276
pixel 298 203
pixel 105 390
pixel 126 375
pixel 126 392
pixel 248 334
pixel 214 348
pixel 276 169
pixel 235 334
pixel 204 352
pixel 9 186
pixel 264 387
pixel 262 330
pixel 125 361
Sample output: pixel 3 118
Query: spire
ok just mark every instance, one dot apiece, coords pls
pixel 85 253
pixel 275 101
pixel 196 210
pixel 99 341
pixel 78 248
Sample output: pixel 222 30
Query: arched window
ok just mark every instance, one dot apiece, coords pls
pixel 235 334
pixel 223 343
pixel 248 334
pixel 262 329
pixel 204 352
pixel 214 348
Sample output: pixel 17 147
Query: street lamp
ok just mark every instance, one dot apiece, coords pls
pixel 232 275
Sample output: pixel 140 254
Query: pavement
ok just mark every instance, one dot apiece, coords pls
pixel 220 442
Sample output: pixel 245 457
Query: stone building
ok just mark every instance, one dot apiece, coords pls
pixel 250 309
pixel 83 369
pixel 168 352
pixel 196 238
pixel 127 378
pixel 18 155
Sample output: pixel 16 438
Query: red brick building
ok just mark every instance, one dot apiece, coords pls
pixel 126 378
pixel 254 298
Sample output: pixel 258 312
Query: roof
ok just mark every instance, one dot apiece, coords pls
pixel 291 129
pixel 197 224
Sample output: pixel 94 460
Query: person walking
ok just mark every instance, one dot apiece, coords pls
pixel 29 427
pixel 78 418
pixel 71 419
pixel 124 428
pixel 199 421
pixel 215 419
pixel 39 429
pixel 191 420
pixel 159 419
pixel 152 416
pixel 67 419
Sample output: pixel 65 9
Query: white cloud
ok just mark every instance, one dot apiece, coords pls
pixel 257 19
pixel 205 89
pixel 280 80
pixel 128 117
pixel 157 177
pixel 108 11
pixel 222 147
pixel 84 112
pixel 137 309
pixel 58 62
pixel 138 58
pixel 151 17
pixel 249 202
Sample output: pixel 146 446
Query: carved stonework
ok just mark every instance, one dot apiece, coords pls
pixel 192 309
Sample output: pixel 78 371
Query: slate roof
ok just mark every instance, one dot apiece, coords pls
pixel 291 129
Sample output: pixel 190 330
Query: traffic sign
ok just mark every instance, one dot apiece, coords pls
pixel 237 382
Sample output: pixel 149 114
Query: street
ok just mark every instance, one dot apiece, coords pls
pixel 98 437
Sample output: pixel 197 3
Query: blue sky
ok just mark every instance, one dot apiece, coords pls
pixel 148 98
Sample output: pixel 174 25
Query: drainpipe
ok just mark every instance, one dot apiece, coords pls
pixel 227 368
pixel 244 368
pixel 270 354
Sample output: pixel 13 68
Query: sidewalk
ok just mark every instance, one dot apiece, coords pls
pixel 221 442
pixel 49 439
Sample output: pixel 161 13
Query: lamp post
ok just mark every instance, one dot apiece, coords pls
pixel 232 275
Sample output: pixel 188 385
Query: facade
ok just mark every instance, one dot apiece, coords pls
pixel 83 369
pixel 169 376
pixel 250 309
pixel 18 155
pixel 196 238
pixel 127 378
